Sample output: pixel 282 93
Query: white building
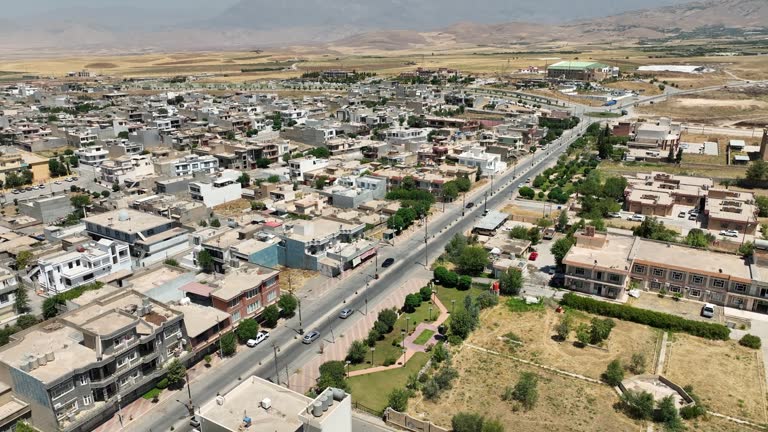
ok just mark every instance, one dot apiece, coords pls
pixel 81 138
pixel 218 190
pixel 93 155
pixel 63 271
pixel 298 167
pixel 127 169
pixel 187 165
pixel 409 135
pixel 489 163
pixel 8 287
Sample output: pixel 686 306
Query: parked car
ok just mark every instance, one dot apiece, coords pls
pixel 693 216
pixel 708 310
pixel 637 218
pixel 261 337
pixel 194 422
pixel 58 182
pixel 16 191
pixel 346 313
pixel 615 215
pixel 729 233
pixel 528 180
pixel 470 205
pixel 387 262
pixel 681 215
pixel 533 256
pixel 693 210
pixel 311 337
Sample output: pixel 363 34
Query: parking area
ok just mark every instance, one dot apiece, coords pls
pixel 684 308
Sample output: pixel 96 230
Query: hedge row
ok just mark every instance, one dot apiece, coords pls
pixel 642 316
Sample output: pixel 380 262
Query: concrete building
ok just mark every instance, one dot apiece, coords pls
pixel 217 190
pixel 764 145
pixel 489 163
pixel 47 210
pixel 93 155
pixel 656 193
pixel 731 210
pixel 127 170
pixel 298 167
pixel 184 211
pixel 270 407
pixel 62 271
pixel 365 189
pixel 8 287
pixel 73 370
pixel 151 238
pixel 187 165
pixel 578 71
pixel 659 135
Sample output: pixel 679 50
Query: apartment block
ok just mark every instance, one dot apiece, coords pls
pixel 127 170
pixel 298 167
pixel 8 286
pixel 65 270
pixel 187 165
pixel 74 370
pixel 217 190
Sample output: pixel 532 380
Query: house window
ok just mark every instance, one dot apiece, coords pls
pixel 271 296
pixel 740 287
pixel 127 359
pixel 614 278
pixel 87 400
pixel 4 298
pixel 696 279
pixel 675 288
pixel 655 285
pixel 677 275
pixel 62 389
pixel 693 292
pixel 236 317
pixel 252 293
pixel 83 379
pixel 718 283
pixel 716 296
pixel 233 303
pixel 658 272
pixel 578 271
pixel 737 301
pixel 638 269
pixel 253 307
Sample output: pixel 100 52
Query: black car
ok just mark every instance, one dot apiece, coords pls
pixel 387 262
pixel 470 205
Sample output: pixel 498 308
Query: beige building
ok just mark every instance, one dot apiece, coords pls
pixel 731 210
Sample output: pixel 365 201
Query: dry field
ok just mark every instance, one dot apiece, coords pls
pixel 722 107
pixel 536 331
pixel 565 404
pixel 728 377
pixel 643 88
pixel 697 170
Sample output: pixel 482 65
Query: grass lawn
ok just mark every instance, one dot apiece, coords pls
pixel 373 389
pixel 424 337
pixel 603 114
pixel 385 348
pixel 447 294
pixel 152 393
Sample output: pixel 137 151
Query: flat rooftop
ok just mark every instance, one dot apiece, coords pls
pixel 615 254
pixel 318 229
pixel 155 278
pixel 241 279
pixel 200 318
pixel 132 220
pixel 244 400
pixel 690 259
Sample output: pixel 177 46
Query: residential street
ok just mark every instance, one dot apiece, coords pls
pixel 356 290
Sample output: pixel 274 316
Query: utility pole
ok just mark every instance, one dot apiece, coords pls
pixel 426 243
pixel 277 371
pixel 189 393
pixel 298 301
pixel 485 202
pixel 463 202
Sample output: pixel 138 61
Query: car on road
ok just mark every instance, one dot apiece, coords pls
pixel 58 182
pixel 636 218
pixel 387 262
pixel 311 337
pixel 615 215
pixel 28 189
pixel 16 192
pixel 74 178
pixel 470 205
pixel 528 180
pixel 681 215
pixel 708 310
pixel 533 256
pixel 261 337
pixel 346 313
pixel 729 233
pixel 194 422
pixel 693 216
pixel 694 210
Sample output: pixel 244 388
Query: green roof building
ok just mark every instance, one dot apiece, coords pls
pixel 578 70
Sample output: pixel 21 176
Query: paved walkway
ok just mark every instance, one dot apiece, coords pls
pixel 334 347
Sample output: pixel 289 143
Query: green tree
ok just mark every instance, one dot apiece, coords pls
pixel 563 328
pixel 26 321
pixel 123 135
pixel 175 373
pixel 462 323
pixel 271 315
pixel 758 170
pixel 463 184
pixel 247 329
pixel 332 374
pixel 762 206
pixel 205 261
pixel 600 330
pixel 747 249
pixel 519 232
pixel 231 135
pixel 671 155
pixel 408 183
pixel 228 344
pixel 473 260
pixel 80 201
pixel 455 247
pixel 215 223
pixel 614 374
pixel 652 228
pixel 637 404
pixel 637 363
pixel 412 301
pixel 698 238
pixel 51 306
pixel 273 179
pixel 666 411
pixel 24 427
pixel 614 187
pixel 450 191
pixel 115 187
pixel 23 259
pixel 534 235
pixel 320 152
pixel 398 399
pixel 526 391
pixel 562 221
pixel 388 317
pixel 244 180
pixel 357 352
pixel 105 193
pixel 287 304
pixel 320 182
pixel 467 422
pixel 263 163
pixel 582 334
pixel 511 282
pixel 526 192
pixel 679 156
pixel 21 302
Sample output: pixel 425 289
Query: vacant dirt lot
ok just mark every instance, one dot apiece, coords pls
pixel 728 377
pixel 536 331
pixel 564 404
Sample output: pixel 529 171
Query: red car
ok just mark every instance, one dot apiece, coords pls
pixel 533 256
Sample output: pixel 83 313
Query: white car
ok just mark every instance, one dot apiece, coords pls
pixel 261 337
pixel 708 311
pixel 637 218
pixel 729 233
pixel 615 215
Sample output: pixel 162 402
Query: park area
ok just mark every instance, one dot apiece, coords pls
pixel 727 376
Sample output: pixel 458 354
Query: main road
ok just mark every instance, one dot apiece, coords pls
pixel 354 292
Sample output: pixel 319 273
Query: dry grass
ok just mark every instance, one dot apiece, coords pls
pixel 728 377
pixel 234 208
pixel 520 211
pixel 700 170
pixel 294 279
pixel 536 331
pixel 720 107
pixel 644 88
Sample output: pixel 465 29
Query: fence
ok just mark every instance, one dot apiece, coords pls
pixel 407 422
pixel 360 407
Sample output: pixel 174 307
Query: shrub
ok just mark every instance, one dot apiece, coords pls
pixel 525 390
pixel 614 374
pixel 270 315
pixel 750 341
pixel 666 410
pixel 465 282
pixel 582 334
pixel 451 279
pixel 389 361
pixel 430 390
pixel 162 384
pixel 527 192
pixel 26 321
pixel 228 344
pixel 487 299
pixel 651 318
pixel 425 293
pixel 564 327
pixel 373 336
pixel 389 318
pixel 381 327
pixel 637 364
pixel 637 404
pixel 398 399
pixel 467 422
pixel 332 374
pixel 412 301
pixel 357 351
pixel 440 353
pixel 600 330
pixel 440 275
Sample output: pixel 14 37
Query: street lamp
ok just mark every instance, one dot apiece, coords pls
pixel 430 312
pixel 347 364
pixel 405 356
pixel 453 306
pixel 406 324
pixel 373 349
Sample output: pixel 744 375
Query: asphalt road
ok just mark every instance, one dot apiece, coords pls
pixel 84 176
pixel 354 291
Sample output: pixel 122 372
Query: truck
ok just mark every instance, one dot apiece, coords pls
pixel 611 102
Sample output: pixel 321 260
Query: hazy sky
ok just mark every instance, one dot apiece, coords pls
pixel 15 8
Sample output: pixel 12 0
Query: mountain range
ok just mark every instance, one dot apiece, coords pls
pixel 364 24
